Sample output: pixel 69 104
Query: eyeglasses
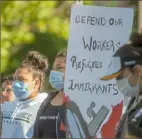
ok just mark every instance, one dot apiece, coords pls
pixel 8 90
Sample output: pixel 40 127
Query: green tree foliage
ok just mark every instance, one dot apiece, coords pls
pixel 33 25
pixel 38 25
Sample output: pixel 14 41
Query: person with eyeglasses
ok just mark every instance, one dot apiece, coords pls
pixel 6 91
pixel 19 115
pixel 126 68
pixel 6 95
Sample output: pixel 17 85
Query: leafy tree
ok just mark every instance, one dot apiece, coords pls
pixel 22 21
pixel 28 25
pixel 34 25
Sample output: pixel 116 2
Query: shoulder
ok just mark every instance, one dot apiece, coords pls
pixel 49 97
pixel 46 99
pixel 9 105
pixel 43 105
pixel 42 96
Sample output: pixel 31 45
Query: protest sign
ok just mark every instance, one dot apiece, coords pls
pixel 95 35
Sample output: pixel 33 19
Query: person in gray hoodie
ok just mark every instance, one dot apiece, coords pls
pixel 19 115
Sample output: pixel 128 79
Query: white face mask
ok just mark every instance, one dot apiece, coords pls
pixel 125 87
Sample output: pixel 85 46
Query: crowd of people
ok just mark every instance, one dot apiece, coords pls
pixel 26 112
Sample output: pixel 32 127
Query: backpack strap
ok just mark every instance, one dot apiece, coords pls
pixel 61 122
pixel 62 113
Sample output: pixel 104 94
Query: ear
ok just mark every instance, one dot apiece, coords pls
pixel 37 83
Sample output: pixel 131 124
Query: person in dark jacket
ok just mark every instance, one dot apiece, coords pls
pixel 50 121
pixel 126 67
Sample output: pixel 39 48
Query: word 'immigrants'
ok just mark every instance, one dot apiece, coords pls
pixel 99 89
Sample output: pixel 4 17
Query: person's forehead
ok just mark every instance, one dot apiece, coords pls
pixel 60 59
pixel 23 72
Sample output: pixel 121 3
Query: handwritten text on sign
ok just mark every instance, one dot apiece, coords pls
pixel 95 35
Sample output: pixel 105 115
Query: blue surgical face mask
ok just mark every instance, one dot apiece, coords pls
pixel 56 79
pixel 20 90
pixel 127 89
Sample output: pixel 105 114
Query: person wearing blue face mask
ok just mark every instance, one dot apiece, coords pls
pixel 6 94
pixel 126 67
pixel 19 115
pixel 50 121
pixel 56 79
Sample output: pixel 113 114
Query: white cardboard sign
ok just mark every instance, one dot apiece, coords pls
pixel 95 34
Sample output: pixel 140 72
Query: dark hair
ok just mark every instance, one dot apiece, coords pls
pixel 136 39
pixel 130 49
pixel 62 53
pixel 37 63
pixel 8 79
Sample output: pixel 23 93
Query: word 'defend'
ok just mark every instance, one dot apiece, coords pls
pixel 99 21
